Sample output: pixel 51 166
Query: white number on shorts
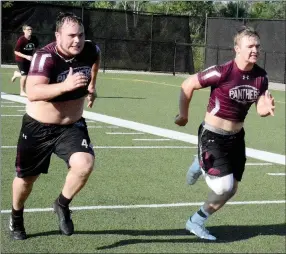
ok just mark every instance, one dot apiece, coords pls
pixel 84 143
pixel 41 63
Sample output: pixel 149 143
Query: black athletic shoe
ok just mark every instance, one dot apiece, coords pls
pixel 16 227
pixel 64 216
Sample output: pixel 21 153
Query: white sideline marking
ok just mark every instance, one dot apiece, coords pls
pixel 259 164
pixel 124 133
pixel 253 153
pixel 11 115
pixel 100 127
pixel 128 147
pixel 13 106
pixel 276 174
pixel 150 139
pixel 7 102
pixel 80 208
pixel 21 110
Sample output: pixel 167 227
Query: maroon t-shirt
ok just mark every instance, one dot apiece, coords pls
pixel 233 91
pixel 26 47
pixel 49 63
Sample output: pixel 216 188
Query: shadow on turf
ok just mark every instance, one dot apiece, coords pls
pixel 228 233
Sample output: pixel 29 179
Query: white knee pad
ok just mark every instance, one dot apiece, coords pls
pixel 220 185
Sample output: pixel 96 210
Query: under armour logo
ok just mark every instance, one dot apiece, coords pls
pixel 245 77
pixel 24 136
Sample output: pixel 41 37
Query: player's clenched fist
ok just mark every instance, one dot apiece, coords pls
pixel 74 80
pixel 180 120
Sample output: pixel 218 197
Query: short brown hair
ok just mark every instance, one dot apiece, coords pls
pixel 67 16
pixel 245 31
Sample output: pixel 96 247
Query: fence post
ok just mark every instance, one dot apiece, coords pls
pixel 285 70
pixel 104 56
pixel 82 11
pixel 264 64
pixel 174 58
pixel 217 54
pixel 151 43
pixel 206 31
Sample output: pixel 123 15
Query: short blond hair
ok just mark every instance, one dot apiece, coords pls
pixel 25 26
pixel 245 31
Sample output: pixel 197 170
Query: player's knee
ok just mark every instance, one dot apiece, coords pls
pixel 26 181
pixel 222 185
pixel 82 163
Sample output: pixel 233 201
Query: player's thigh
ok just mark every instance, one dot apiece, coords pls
pixel 239 156
pixel 75 143
pixel 23 67
pixel 214 154
pixel 34 149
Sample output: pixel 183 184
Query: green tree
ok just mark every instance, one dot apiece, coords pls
pixel 268 10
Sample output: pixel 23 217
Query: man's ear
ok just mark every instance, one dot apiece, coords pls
pixel 236 49
pixel 57 35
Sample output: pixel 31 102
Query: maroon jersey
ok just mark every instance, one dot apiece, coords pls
pixel 26 47
pixel 49 63
pixel 233 91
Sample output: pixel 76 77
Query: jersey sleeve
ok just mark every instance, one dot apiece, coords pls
pixel 36 42
pixel 96 52
pixel 210 76
pixel 264 85
pixel 19 44
pixel 93 50
pixel 42 64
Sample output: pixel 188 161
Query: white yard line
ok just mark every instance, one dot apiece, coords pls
pixel 126 147
pixel 250 152
pixel 257 164
pixel 80 208
pixel 276 174
pixel 102 127
pixel 10 115
pixel 13 106
pixel 151 139
pixel 7 102
pixel 124 133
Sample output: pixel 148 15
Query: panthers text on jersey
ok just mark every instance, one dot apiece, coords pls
pixel 233 91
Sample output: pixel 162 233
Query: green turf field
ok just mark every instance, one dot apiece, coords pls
pixel 136 200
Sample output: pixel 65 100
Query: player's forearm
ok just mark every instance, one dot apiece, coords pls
pixel 20 54
pixel 44 92
pixel 186 95
pixel 184 103
pixel 94 72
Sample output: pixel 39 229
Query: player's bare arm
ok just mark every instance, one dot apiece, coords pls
pixel 188 87
pixel 92 85
pixel 39 89
pixel 265 105
pixel 29 58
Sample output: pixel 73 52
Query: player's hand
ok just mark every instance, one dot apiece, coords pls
pixel 180 120
pixel 92 95
pixel 269 102
pixel 29 58
pixel 74 81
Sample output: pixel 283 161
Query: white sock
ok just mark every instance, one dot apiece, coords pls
pixel 200 216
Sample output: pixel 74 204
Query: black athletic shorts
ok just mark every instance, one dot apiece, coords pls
pixel 221 154
pixel 24 67
pixel 37 142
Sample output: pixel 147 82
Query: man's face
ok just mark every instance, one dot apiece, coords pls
pixel 28 31
pixel 248 49
pixel 70 38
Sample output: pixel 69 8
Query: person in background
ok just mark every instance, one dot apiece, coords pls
pixel 24 49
